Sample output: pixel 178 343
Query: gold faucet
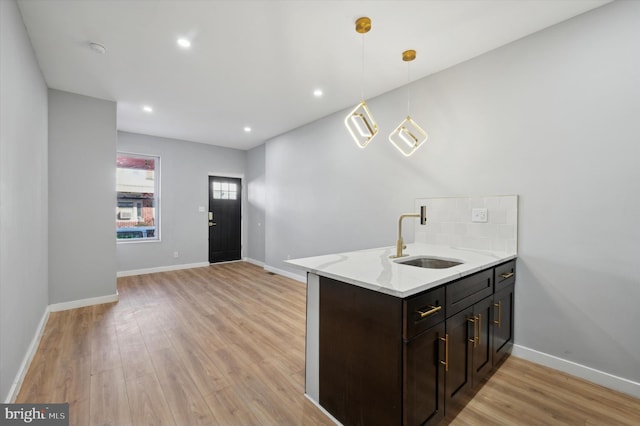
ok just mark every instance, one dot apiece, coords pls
pixel 400 243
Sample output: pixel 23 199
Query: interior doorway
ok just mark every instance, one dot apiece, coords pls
pixel 225 219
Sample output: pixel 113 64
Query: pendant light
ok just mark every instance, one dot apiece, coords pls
pixel 359 121
pixel 408 136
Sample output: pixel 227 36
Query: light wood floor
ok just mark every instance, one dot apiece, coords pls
pixel 224 345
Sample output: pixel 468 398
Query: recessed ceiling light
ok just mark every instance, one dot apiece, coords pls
pixel 317 93
pixel 184 43
pixel 247 129
pixel 147 108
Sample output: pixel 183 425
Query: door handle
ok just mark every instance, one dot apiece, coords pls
pixel 212 223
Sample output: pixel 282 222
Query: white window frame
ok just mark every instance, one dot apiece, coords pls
pixel 157 199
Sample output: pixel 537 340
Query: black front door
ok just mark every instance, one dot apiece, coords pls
pixel 224 219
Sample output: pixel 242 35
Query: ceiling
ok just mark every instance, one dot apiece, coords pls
pixel 257 62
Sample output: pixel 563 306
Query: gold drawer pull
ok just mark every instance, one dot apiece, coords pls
pixel 507 275
pixel 445 339
pixel 432 310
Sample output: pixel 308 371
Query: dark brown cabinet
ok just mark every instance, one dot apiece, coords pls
pixel 466 291
pixel 423 391
pixel 386 360
pixel 360 354
pixel 503 311
pixel 459 358
pixel 469 333
pixel 482 342
pixel 423 368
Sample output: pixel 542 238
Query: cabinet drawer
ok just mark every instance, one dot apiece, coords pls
pixel 423 311
pixel 465 292
pixel 505 275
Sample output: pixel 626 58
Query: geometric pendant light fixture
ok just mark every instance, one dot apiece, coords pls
pixel 359 121
pixel 408 136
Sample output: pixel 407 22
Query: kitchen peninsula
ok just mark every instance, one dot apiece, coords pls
pixel 392 343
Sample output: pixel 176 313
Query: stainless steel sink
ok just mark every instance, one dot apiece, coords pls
pixel 429 262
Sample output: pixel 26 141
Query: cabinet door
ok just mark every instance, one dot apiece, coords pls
pixel 424 377
pixel 483 333
pixel 503 304
pixel 458 377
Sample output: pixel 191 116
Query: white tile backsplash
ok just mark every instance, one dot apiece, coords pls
pixel 449 223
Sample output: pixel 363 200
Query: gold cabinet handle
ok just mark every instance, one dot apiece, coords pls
pixel 507 275
pixel 477 329
pixel 432 310
pixel 445 339
pixel 474 339
pixel 499 306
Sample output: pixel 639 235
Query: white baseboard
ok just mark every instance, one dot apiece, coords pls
pixel 83 302
pixel 254 262
pixel 35 342
pixel 297 277
pixel 161 269
pixel 28 357
pixel 591 374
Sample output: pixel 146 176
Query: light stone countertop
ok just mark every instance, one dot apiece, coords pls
pixel 373 269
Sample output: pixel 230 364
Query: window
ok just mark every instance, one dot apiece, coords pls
pixel 225 191
pixel 137 185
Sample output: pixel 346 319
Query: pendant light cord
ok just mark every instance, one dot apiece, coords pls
pixel 408 90
pixel 362 70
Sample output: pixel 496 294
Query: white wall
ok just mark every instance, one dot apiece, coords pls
pixel 184 170
pixel 82 197
pixel 23 195
pixel 552 117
